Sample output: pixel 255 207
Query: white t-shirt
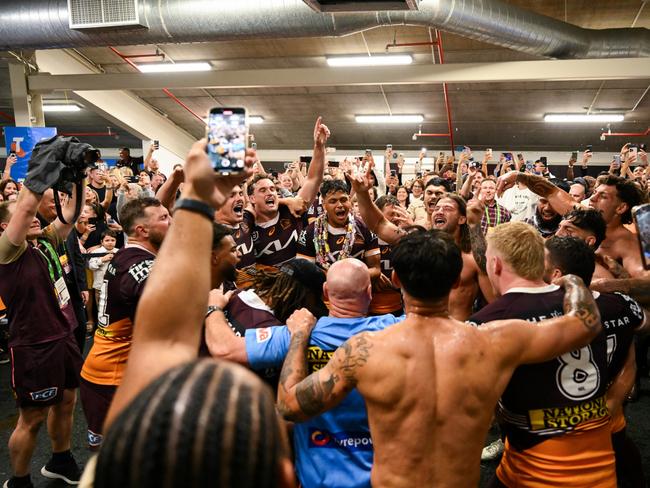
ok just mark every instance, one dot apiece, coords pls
pixel 520 202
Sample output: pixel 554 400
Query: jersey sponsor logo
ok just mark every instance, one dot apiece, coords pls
pixel 285 224
pixel 317 358
pixel 94 440
pixel 255 235
pixel 634 306
pixel 263 334
pixel 349 441
pixel 340 241
pixel 140 271
pixel 276 246
pixel 44 395
pixel 568 417
pixel 271 231
pixel 243 250
pixel 302 240
pixel 614 323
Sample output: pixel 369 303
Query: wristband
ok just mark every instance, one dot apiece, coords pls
pixel 195 206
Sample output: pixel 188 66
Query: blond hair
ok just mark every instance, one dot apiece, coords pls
pixel 521 247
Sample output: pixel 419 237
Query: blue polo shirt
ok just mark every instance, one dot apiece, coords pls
pixel 333 449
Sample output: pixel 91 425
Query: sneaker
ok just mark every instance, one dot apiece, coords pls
pixel 492 451
pixel 68 471
pixel 24 485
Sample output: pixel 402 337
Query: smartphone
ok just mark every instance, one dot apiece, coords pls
pixel 643 147
pixel 253 145
pixel 488 151
pixel 286 166
pixel 641 216
pixel 92 220
pixel 574 155
pixel 393 168
pixel 520 157
pixel 227 133
pixel 634 150
pixel 418 175
pixel 12 153
pixel 543 159
pixel 156 144
pixel 305 159
pixel 389 146
pixel 133 179
pixel 368 152
pixel 395 155
pixel 111 221
pixel 588 148
pixel 333 164
pixel 617 160
pixel 529 166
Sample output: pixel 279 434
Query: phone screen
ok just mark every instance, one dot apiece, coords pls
pixel 574 155
pixel 393 167
pixel 642 222
pixel 227 133
pixel 333 164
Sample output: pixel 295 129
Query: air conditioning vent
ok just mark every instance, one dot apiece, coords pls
pixel 361 5
pixel 91 14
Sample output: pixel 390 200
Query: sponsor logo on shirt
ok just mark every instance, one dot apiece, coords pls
pixel 140 272
pixel 44 395
pixel 317 358
pixel 568 417
pixel 263 335
pixel 349 441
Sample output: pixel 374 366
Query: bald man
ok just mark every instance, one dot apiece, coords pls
pixel 333 449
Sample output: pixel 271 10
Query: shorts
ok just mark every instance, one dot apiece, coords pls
pixel 41 372
pixel 96 400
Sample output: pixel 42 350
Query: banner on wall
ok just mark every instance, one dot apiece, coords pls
pixel 21 140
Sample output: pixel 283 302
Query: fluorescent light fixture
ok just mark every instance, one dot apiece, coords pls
pixel 586 118
pixel 71 107
pixel 173 67
pixel 255 119
pixel 388 119
pixel 375 60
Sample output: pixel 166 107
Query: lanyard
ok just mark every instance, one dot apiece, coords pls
pixel 487 215
pixel 53 257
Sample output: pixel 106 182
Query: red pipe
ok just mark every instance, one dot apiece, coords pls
pixel 627 134
pixel 165 90
pixel 441 55
pixel 403 44
pixel 145 56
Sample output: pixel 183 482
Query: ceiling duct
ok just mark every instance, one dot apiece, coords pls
pixel 89 14
pixel 361 5
pixel 43 24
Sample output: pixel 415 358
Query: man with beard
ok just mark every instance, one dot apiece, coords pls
pixel 274 228
pixel 337 235
pixel 613 197
pixel 449 215
pixel 146 222
pixel 545 219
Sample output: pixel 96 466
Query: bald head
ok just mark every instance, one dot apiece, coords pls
pixel 348 285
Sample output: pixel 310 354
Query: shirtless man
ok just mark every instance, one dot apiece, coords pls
pixel 434 189
pixel 613 197
pixel 430 382
pixel 450 215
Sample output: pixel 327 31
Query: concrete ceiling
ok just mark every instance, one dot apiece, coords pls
pixel 499 115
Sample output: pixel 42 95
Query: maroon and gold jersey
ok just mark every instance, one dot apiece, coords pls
pixel 276 240
pixel 244 241
pixel 555 397
pixel 385 300
pixel 123 283
pixel 365 242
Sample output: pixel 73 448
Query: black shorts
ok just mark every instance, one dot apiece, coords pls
pixel 95 400
pixel 41 372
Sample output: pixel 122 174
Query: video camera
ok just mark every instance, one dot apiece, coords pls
pixel 57 163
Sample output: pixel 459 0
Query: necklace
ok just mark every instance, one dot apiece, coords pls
pixel 321 244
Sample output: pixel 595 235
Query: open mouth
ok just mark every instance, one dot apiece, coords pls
pixel 270 200
pixel 439 221
pixel 341 214
pixel 238 208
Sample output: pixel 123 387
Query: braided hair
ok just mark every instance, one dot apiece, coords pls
pixel 284 294
pixel 206 423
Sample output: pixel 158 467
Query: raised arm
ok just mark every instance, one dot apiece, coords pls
pixel 371 215
pixel 560 200
pixel 68 210
pixel 301 397
pixel 11 160
pixel 23 216
pixel 316 170
pixel 167 192
pixel 523 342
pixel 170 314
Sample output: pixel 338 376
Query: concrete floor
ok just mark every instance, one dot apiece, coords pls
pixel 637 415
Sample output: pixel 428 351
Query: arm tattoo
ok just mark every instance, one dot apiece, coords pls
pixel 356 352
pixel 312 393
pixel 537 184
pixel 479 246
pixel 579 301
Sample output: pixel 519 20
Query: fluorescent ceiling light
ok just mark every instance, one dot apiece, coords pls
pixel 255 119
pixel 388 119
pixel 62 108
pixel 583 118
pixel 375 60
pixel 173 67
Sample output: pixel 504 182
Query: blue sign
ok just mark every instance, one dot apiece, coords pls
pixel 21 140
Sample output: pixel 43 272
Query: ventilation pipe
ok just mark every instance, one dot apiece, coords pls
pixel 43 24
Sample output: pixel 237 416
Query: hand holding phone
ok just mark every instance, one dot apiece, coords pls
pixel 641 216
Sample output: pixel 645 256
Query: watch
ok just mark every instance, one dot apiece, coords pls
pixel 212 309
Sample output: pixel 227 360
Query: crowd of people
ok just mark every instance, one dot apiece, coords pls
pixel 390 315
